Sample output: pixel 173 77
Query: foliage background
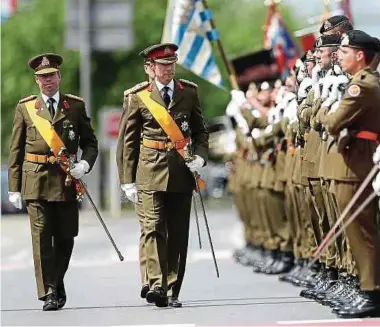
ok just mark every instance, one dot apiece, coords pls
pixel 40 27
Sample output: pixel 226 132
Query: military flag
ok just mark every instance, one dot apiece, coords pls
pixel 187 24
pixel 278 39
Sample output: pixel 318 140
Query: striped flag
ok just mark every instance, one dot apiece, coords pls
pixel 187 24
pixel 277 38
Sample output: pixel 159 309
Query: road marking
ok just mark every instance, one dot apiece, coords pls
pixel 302 322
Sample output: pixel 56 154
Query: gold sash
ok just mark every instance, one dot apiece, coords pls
pixel 53 140
pixel 45 128
pixel 167 123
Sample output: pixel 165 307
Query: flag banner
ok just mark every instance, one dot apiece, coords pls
pixel 278 39
pixel 255 67
pixel 187 24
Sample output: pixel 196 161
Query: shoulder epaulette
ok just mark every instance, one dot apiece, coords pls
pixel 136 88
pixel 189 83
pixel 29 98
pixel 71 96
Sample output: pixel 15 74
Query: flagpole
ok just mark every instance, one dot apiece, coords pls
pixel 227 64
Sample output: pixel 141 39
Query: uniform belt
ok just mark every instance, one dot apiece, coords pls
pixel 166 145
pixel 40 158
pixel 365 135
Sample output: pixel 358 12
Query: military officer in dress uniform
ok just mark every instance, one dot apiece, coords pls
pixel 162 118
pixel 36 177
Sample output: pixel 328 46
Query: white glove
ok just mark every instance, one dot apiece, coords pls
pixel 80 169
pixel 376 156
pixel 306 83
pixel 376 184
pixel 238 97
pixel 328 82
pixel 315 72
pixel 195 164
pixel 130 191
pixel 15 199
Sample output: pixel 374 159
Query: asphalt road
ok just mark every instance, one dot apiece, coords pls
pixel 105 292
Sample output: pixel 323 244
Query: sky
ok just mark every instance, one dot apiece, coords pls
pixel 366 12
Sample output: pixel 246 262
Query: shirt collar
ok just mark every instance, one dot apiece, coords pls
pixel 55 97
pixel 160 86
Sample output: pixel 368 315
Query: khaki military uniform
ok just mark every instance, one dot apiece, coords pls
pixel 52 206
pixel 163 181
pixel 358 111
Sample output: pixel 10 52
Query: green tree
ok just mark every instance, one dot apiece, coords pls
pixel 40 27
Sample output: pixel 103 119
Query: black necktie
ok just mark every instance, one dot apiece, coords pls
pixel 51 107
pixel 166 96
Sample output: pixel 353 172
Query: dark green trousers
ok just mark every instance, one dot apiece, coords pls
pixel 53 226
pixel 166 226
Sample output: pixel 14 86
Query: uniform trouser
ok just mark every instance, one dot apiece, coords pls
pixel 53 227
pixel 292 214
pixel 241 205
pixel 167 219
pixel 307 237
pixel 347 259
pixel 142 255
pixel 363 233
pixel 333 252
pixel 272 211
pixel 257 225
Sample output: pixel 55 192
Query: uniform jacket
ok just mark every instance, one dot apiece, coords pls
pixel 47 181
pixel 358 111
pixel 162 170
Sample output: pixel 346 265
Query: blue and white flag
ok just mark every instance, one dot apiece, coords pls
pixel 187 24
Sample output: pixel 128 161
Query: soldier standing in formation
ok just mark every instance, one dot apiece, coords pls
pixel 315 148
pixel 161 118
pixel 36 177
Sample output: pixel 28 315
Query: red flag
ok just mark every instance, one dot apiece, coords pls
pixel 308 41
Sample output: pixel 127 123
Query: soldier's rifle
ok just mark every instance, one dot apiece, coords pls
pixel 189 157
pixel 64 159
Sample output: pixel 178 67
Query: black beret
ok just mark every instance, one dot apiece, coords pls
pixel 326 41
pixel 333 22
pixel 359 40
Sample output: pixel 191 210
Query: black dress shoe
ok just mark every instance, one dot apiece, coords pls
pixel 174 302
pixel 61 296
pixel 144 291
pixel 158 297
pixel 368 306
pixel 51 303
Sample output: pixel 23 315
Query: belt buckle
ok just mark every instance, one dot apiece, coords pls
pixel 52 160
pixel 169 146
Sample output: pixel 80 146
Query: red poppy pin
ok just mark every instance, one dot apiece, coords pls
pixel 66 104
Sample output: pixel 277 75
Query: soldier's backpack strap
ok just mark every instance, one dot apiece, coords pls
pixel 166 122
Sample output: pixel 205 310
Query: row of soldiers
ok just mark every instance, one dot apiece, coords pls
pixel 304 149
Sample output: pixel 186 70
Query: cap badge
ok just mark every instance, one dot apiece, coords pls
pixel 45 61
pixel 345 40
pixel 327 25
